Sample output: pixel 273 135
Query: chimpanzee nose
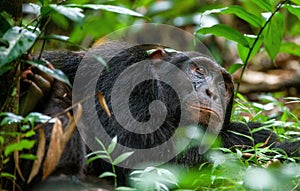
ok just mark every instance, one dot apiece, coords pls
pixel 210 94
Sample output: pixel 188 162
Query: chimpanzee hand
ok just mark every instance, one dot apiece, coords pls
pixel 35 86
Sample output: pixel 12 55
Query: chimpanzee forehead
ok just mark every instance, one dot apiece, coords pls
pixel 205 62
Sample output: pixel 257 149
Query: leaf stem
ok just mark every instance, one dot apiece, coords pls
pixel 279 6
pixel 110 161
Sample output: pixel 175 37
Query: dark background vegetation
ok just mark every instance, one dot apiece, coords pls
pixel 257 41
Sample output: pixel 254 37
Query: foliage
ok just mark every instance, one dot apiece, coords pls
pixel 254 168
pixel 105 153
pixel 227 170
pixel 80 23
pixel 22 139
pixel 269 23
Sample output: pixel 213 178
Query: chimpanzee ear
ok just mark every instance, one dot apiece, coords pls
pixel 229 96
pixel 157 53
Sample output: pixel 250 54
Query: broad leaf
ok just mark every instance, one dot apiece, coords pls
pixel 107 174
pixel 6 22
pixel 239 12
pixel 111 147
pixel 30 133
pixel 20 40
pixel 95 153
pixel 234 67
pixel 264 4
pixel 73 13
pixel 244 51
pixel 111 8
pixel 290 48
pixel 99 156
pixel 100 143
pixel 23 144
pixel 37 117
pixel 294 9
pixel 55 73
pixel 273 35
pixel 57 37
pixel 225 31
pixel 10 118
pixel 122 157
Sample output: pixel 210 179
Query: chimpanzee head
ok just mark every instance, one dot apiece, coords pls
pixel 164 89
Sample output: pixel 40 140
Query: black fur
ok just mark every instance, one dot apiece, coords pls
pixel 72 161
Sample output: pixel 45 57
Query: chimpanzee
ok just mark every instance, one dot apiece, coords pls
pixel 208 99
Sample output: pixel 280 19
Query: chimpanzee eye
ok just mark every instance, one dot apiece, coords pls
pixel 198 70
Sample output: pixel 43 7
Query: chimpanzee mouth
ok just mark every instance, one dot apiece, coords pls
pixel 207 110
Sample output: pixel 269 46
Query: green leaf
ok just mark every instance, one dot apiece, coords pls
pixel 95 153
pixel 30 133
pixel 20 40
pixel 60 20
pixel 23 144
pixel 242 135
pixel 294 9
pixel 112 145
pixel 35 117
pixel 2 140
pixel 239 153
pixel 111 8
pixel 73 13
pixel 25 127
pixel 290 48
pixel 123 188
pixel 107 174
pixel 6 22
pixel 225 31
pixel 122 157
pixel 34 9
pixel 264 4
pixel 100 143
pixel 55 73
pixel 284 116
pixel 273 35
pixel 7 175
pixel 246 16
pixel 244 51
pixel 97 157
pixel 10 118
pixel 101 61
pixel 57 37
pixel 239 12
pixel 234 67
pixel 28 156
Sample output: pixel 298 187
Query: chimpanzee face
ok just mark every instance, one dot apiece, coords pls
pixel 213 92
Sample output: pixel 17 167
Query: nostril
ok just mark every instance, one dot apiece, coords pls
pixel 215 97
pixel 211 95
pixel 208 92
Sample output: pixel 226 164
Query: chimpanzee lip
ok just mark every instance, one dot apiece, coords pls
pixel 205 109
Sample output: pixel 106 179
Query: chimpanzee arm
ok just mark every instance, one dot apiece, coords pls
pixel 238 134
